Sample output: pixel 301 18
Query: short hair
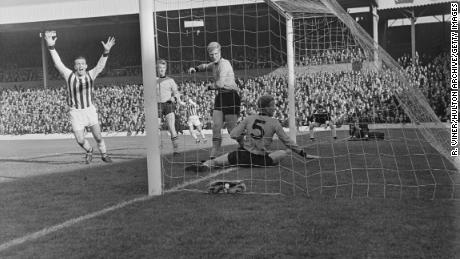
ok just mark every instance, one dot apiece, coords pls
pixel 213 46
pixel 79 57
pixel 161 62
pixel 264 101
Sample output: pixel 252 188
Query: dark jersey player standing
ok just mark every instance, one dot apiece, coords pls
pixel 227 101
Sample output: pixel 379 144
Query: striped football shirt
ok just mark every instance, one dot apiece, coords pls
pixel 79 88
pixel 192 108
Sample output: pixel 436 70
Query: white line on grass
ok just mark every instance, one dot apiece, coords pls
pixel 71 222
pixel 38 156
pixel 199 180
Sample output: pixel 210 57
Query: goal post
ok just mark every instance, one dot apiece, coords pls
pixel 382 138
pixel 154 175
pixel 291 76
pixel 410 97
pixel 290 56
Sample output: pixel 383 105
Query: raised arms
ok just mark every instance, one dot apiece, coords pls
pixel 50 38
pixel 103 59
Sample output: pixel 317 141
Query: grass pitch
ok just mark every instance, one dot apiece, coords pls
pixel 196 225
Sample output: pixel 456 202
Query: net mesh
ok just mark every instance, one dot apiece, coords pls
pixel 356 108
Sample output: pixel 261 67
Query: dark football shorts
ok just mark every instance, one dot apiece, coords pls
pixel 228 102
pixel 165 108
pixel 321 118
pixel 246 158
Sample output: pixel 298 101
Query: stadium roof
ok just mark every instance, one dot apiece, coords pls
pixel 399 8
pixel 30 14
pixel 295 8
pixel 397 4
pixel 29 11
pixel 356 3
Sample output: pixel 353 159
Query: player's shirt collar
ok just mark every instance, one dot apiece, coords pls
pixel 80 76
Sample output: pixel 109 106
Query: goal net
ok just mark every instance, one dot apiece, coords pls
pixel 344 99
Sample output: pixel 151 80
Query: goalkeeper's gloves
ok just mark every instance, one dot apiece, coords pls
pixel 235 186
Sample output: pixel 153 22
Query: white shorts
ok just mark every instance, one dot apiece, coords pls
pixel 81 118
pixel 194 121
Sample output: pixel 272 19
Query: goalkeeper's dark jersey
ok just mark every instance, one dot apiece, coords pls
pixel 259 131
pixel 320 116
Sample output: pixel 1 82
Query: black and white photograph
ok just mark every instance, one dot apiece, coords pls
pixel 229 129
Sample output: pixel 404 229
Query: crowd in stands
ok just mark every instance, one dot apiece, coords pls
pixel 36 73
pixel 27 111
pixel 331 56
pixel 432 75
pixel 343 94
pixel 123 63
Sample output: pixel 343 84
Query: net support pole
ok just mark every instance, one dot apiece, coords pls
pixel 412 34
pixel 291 77
pixel 44 61
pixel 375 30
pixel 150 98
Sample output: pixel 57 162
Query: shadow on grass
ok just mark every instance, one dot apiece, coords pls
pixel 343 219
pixel 195 225
pixel 32 203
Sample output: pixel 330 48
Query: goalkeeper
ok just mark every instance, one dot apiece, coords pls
pixel 321 117
pixel 227 101
pixel 358 129
pixel 258 131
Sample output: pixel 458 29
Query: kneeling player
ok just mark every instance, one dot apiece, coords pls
pixel 321 117
pixel 191 109
pixel 259 131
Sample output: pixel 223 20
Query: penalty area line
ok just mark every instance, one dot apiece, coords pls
pixel 68 223
pixel 48 230
pixel 39 156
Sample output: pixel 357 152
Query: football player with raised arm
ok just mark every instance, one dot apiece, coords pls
pixel 80 85
pixel 258 131
pixel 227 101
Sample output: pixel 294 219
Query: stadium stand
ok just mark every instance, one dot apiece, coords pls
pixel 25 111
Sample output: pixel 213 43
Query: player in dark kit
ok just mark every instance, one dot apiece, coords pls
pixel 227 102
pixel 358 129
pixel 321 117
pixel 168 96
pixel 258 131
